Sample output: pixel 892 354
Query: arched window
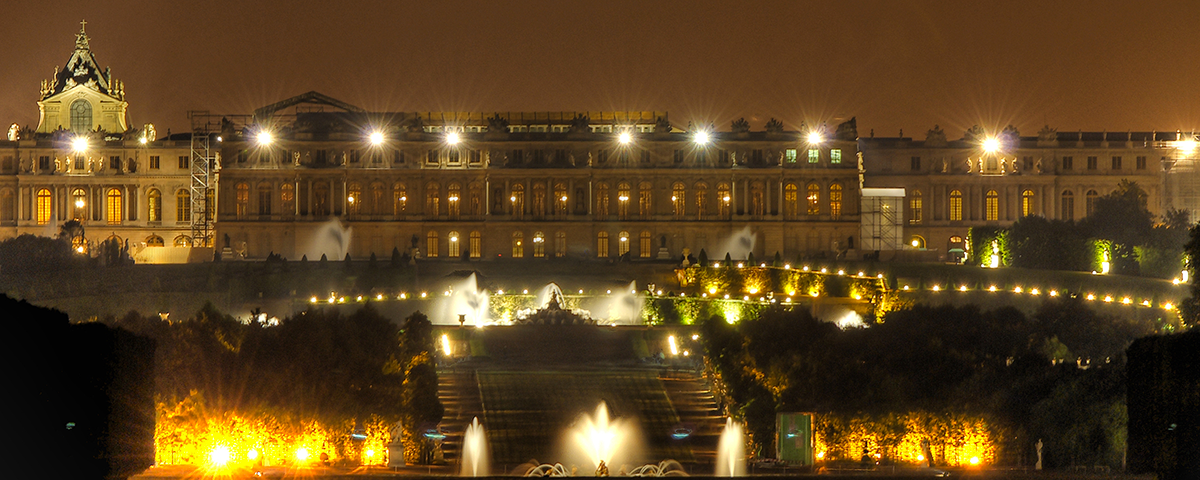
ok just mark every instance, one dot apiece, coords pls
pixel 539 200
pixel 622 243
pixel 644 244
pixel 724 200
pixel 452 199
pixel 154 202
pixel 560 244
pixel 44 206
pixel 287 199
pixel 113 206
pixel 645 200
pixel 602 245
pixel 431 244
pixel 757 199
pixel 476 247
pixel 992 206
pixel 1091 199
pixel 1068 205
pixel 835 201
pixel 517 199
pixel 539 245
pixel 518 245
pixel 453 244
pixel 678 199
pixel 956 206
pixel 320 199
pixel 915 206
pixel 183 205
pixel 814 199
pixel 399 199
pixel 602 200
pixel 1027 203
pixel 265 194
pixel 183 241
pixel 354 199
pixel 241 199
pixel 917 242
pixel 623 200
pixel 432 198
pixel 701 200
pixel 81 116
pixel 560 199
pixel 155 241
pixel 791 205
pixel 376 205
pixel 79 202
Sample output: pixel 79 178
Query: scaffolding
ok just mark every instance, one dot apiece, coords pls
pixel 1181 174
pixel 205 163
pixel 882 219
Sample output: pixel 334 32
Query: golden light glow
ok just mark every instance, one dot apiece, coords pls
pixel 219 456
pixel 264 138
pixel 1017 290
pixel 446 344
pixel 937 288
pixel 452 138
pixel 79 144
pixel 962 288
pixel 1091 296
pixel 814 138
pixel 674 349
pixel 1186 146
pixel 916 243
pixel 1054 293
pixel 376 138
pixel 302 454
pixel 701 138
pixel 625 138
pixel 1168 306
pixel 991 144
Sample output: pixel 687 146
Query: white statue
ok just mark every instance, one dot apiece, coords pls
pixel 1039 453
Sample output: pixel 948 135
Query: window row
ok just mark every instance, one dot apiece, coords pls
pixel 114 211
pixel 536 246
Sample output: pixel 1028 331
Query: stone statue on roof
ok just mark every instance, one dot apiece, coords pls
pixel 935 137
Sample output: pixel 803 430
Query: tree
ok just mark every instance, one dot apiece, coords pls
pixel 1122 218
pixel 29 253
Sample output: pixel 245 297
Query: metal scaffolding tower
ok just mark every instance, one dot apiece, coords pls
pixel 203 162
pixel 882 219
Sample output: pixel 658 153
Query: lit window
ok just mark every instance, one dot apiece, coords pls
pixel 622 243
pixel 791 206
pixel 724 199
pixel 956 203
pixel 645 196
pixel 678 199
pixel 835 155
pixel 539 245
pixel 431 244
pixel 154 204
pixel 701 200
pixel 43 206
pixel 790 155
pixel 814 199
pixel 518 245
pixel 644 245
pixel 602 245
pixel 183 205
pixel 1027 203
pixel 476 245
pixel 113 206
pixel 241 199
pixel 992 201
pixel 914 208
pixel 835 201
pixel 454 241
pixel 814 155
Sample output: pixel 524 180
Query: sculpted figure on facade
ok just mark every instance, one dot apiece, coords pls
pixel 580 123
pixel 935 137
pixel 662 125
pixel 497 124
pixel 774 126
pixel 740 126
pixel 14 132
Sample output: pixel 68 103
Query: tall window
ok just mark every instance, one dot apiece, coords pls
pixel 644 244
pixel 992 205
pixel 791 205
pixel 757 202
pixel 452 200
pixel 814 155
pixel 7 205
pixel 1027 203
pixel 1068 163
pixel 724 200
pixel 518 245
pixel 602 200
pixel 287 198
pixel 241 199
pixel 81 116
pixel 375 204
pixel 835 155
pixel 517 199
pixel 154 202
pixel 1140 163
pixel 602 245
pixel 814 199
pixel 1068 205
pixel 539 200
pixel 678 199
pixel 701 200
pixel 453 245
pixel 265 194
pixel 320 199
pixel 645 194
pixel 1092 163
pixel 539 245
pixel 560 199
pixel 560 244
pixel 622 243
pixel 431 244
pixel 623 200
pixel 914 163
pixel 476 247
pixel 956 206
pixel 113 206
pixel 915 204
pixel 1116 163
pixel 183 205
pixel 399 199
pixel 1092 196
pixel 835 201
pixel 79 202
pixel 432 198
pixel 44 206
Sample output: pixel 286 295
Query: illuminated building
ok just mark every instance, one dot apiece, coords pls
pixel 983 180
pixel 84 163
pixel 531 185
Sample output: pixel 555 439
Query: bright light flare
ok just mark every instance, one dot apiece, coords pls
pixel 302 454
pixel 376 138
pixel 453 138
pixel 672 345
pixel 701 138
pixel 264 138
pixel 446 344
pixel 625 138
pixel 79 144
pixel 815 138
pixel 1186 146
pixel 991 144
pixel 219 456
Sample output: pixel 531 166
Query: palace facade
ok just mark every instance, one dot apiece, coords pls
pixel 312 175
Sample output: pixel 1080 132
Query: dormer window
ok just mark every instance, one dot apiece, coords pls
pixel 81 116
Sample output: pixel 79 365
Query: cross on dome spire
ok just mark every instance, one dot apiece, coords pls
pixel 81 38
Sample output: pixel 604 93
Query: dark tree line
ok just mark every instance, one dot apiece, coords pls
pixel 1057 375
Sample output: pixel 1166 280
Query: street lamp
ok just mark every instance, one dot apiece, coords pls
pixel 376 138
pixel 701 138
pixel 79 144
pixel 452 138
pixel 991 144
pixel 625 138
pixel 814 138
pixel 264 138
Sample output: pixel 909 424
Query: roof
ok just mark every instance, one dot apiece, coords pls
pixel 82 69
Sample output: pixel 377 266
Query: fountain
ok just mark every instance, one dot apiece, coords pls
pixel 731 451
pixel 738 246
pixel 551 312
pixel 475 459
pixel 331 239
pixel 465 299
pixel 624 306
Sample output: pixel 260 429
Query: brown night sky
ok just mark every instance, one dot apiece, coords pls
pixel 895 65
